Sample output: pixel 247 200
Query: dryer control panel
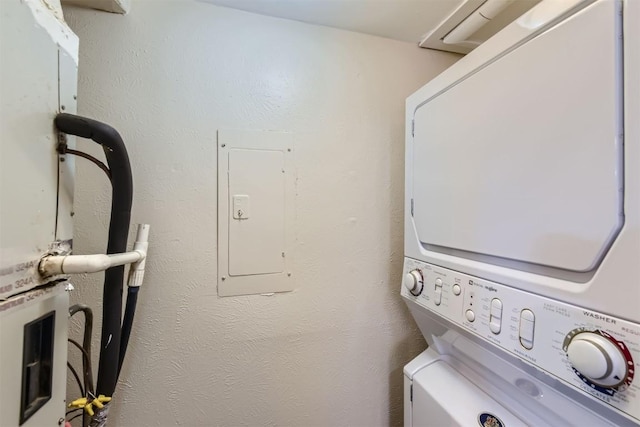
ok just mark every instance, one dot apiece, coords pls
pixel 593 352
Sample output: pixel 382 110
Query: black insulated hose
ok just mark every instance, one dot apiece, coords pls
pixel 127 322
pixel 122 196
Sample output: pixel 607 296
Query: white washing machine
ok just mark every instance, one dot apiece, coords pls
pixel 522 225
pixel 458 382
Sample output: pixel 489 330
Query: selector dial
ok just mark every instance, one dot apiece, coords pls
pixel 598 359
pixel 414 282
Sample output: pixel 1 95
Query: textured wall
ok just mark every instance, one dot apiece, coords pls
pixel 168 75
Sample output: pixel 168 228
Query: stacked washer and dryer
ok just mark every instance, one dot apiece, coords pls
pixel 522 225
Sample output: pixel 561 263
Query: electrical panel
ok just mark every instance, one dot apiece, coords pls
pixel 255 212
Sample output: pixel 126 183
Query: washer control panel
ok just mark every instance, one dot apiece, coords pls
pixel 593 352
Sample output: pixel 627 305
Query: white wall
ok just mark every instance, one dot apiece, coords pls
pixel 167 76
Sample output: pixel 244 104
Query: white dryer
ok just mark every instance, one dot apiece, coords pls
pixel 522 219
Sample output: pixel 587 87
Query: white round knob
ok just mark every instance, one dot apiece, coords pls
pixel 413 282
pixel 456 289
pixel 598 359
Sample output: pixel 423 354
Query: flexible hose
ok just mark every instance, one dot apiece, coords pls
pixel 127 323
pixel 86 342
pixel 122 196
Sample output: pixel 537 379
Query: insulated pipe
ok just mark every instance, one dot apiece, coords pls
pixel 127 323
pixel 122 196
pixel 136 275
pixel 79 264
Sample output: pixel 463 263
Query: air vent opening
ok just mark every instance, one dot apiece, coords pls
pixel 473 23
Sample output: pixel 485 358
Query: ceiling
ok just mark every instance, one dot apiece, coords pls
pixel 406 20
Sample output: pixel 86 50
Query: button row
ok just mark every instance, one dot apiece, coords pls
pixel 526 328
pixel 437 299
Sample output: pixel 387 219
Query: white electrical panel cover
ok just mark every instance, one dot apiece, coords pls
pixel 255 212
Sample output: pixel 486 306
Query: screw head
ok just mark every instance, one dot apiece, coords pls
pixel 223 278
pixel 289 274
pixel 223 145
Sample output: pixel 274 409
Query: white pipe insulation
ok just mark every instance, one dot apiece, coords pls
pixel 77 264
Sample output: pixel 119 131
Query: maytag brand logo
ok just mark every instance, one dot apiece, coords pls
pixel 486 419
pixel 599 317
pixel 490 288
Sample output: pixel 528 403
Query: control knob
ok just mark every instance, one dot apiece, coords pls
pixel 413 281
pixel 599 359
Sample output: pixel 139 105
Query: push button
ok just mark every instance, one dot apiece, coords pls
pixel 495 316
pixel 470 315
pixel 527 328
pixel 456 289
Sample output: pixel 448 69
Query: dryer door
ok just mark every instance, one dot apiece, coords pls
pixel 443 397
pixel 522 158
